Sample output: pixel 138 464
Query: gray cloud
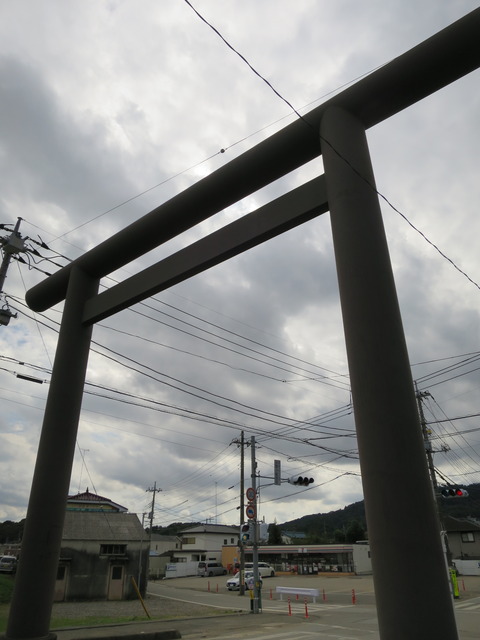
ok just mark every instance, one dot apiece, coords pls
pixel 97 110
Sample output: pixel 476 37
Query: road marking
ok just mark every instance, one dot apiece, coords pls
pixel 468 607
pixel 300 608
pixel 204 604
pixel 283 634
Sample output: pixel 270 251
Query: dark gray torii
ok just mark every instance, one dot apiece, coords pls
pixel 389 436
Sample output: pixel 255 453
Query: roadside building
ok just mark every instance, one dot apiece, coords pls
pixel 203 542
pixel 162 550
pixel 463 544
pixel 310 558
pixel 103 548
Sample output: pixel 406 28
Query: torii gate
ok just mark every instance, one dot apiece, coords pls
pixel 389 436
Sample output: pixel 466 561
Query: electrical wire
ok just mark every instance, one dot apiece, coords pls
pixel 372 186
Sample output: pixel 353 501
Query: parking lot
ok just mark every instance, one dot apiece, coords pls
pixel 204 608
pixel 333 587
pixel 342 581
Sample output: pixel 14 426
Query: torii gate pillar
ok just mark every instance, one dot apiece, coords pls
pixel 388 430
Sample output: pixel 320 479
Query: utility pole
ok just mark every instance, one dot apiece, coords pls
pixel 256 587
pixel 241 546
pixel 13 244
pixel 425 432
pixel 241 443
pixel 154 491
pixel 431 469
pixel 139 578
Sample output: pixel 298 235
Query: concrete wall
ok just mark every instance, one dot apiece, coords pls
pixel 361 559
pixel 181 569
pixel 467 567
pixel 86 574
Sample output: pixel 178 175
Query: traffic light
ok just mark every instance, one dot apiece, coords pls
pixel 303 481
pixel 245 533
pixel 454 492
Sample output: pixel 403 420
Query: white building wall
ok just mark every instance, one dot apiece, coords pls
pixel 467 567
pixel 181 569
pixel 361 559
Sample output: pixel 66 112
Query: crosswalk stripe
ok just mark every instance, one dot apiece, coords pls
pixel 468 605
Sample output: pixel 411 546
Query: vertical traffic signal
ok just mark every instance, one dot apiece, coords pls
pixel 245 533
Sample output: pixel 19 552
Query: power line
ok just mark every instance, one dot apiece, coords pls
pixel 357 172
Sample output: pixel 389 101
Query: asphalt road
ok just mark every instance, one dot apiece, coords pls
pixel 204 610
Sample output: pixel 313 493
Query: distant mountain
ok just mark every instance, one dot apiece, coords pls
pixel 332 526
pixel 328 527
pixel 174 528
pixel 11 532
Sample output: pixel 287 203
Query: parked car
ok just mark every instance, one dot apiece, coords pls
pixel 211 569
pixel 8 564
pixel 264 569
pixel 233 583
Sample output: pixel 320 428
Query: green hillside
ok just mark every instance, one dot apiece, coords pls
pixel 344 524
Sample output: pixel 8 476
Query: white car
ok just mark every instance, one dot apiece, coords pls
pixel 264 569
pixel 233 584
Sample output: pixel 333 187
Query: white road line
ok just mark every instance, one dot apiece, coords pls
pixel 468 605
pixel 204 604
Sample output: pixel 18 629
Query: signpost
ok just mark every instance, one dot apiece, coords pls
pixel 251 511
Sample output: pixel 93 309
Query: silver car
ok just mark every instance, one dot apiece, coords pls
pixel 8 564
pixel 211 569
pixel 233 583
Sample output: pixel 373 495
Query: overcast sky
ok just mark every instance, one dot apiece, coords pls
pixel 107 110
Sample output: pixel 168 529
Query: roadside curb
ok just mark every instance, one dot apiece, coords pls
pixel 125 631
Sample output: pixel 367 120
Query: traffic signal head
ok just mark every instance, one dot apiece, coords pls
pixel 245 533
pixel 454 492
pixel 303 481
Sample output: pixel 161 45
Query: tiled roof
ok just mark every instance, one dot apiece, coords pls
pixel 93 501
pixel 102 526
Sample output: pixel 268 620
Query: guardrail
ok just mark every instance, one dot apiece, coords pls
pixel 298 591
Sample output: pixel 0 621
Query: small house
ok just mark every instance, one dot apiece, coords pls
pixel 104 551
pixel 463 538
